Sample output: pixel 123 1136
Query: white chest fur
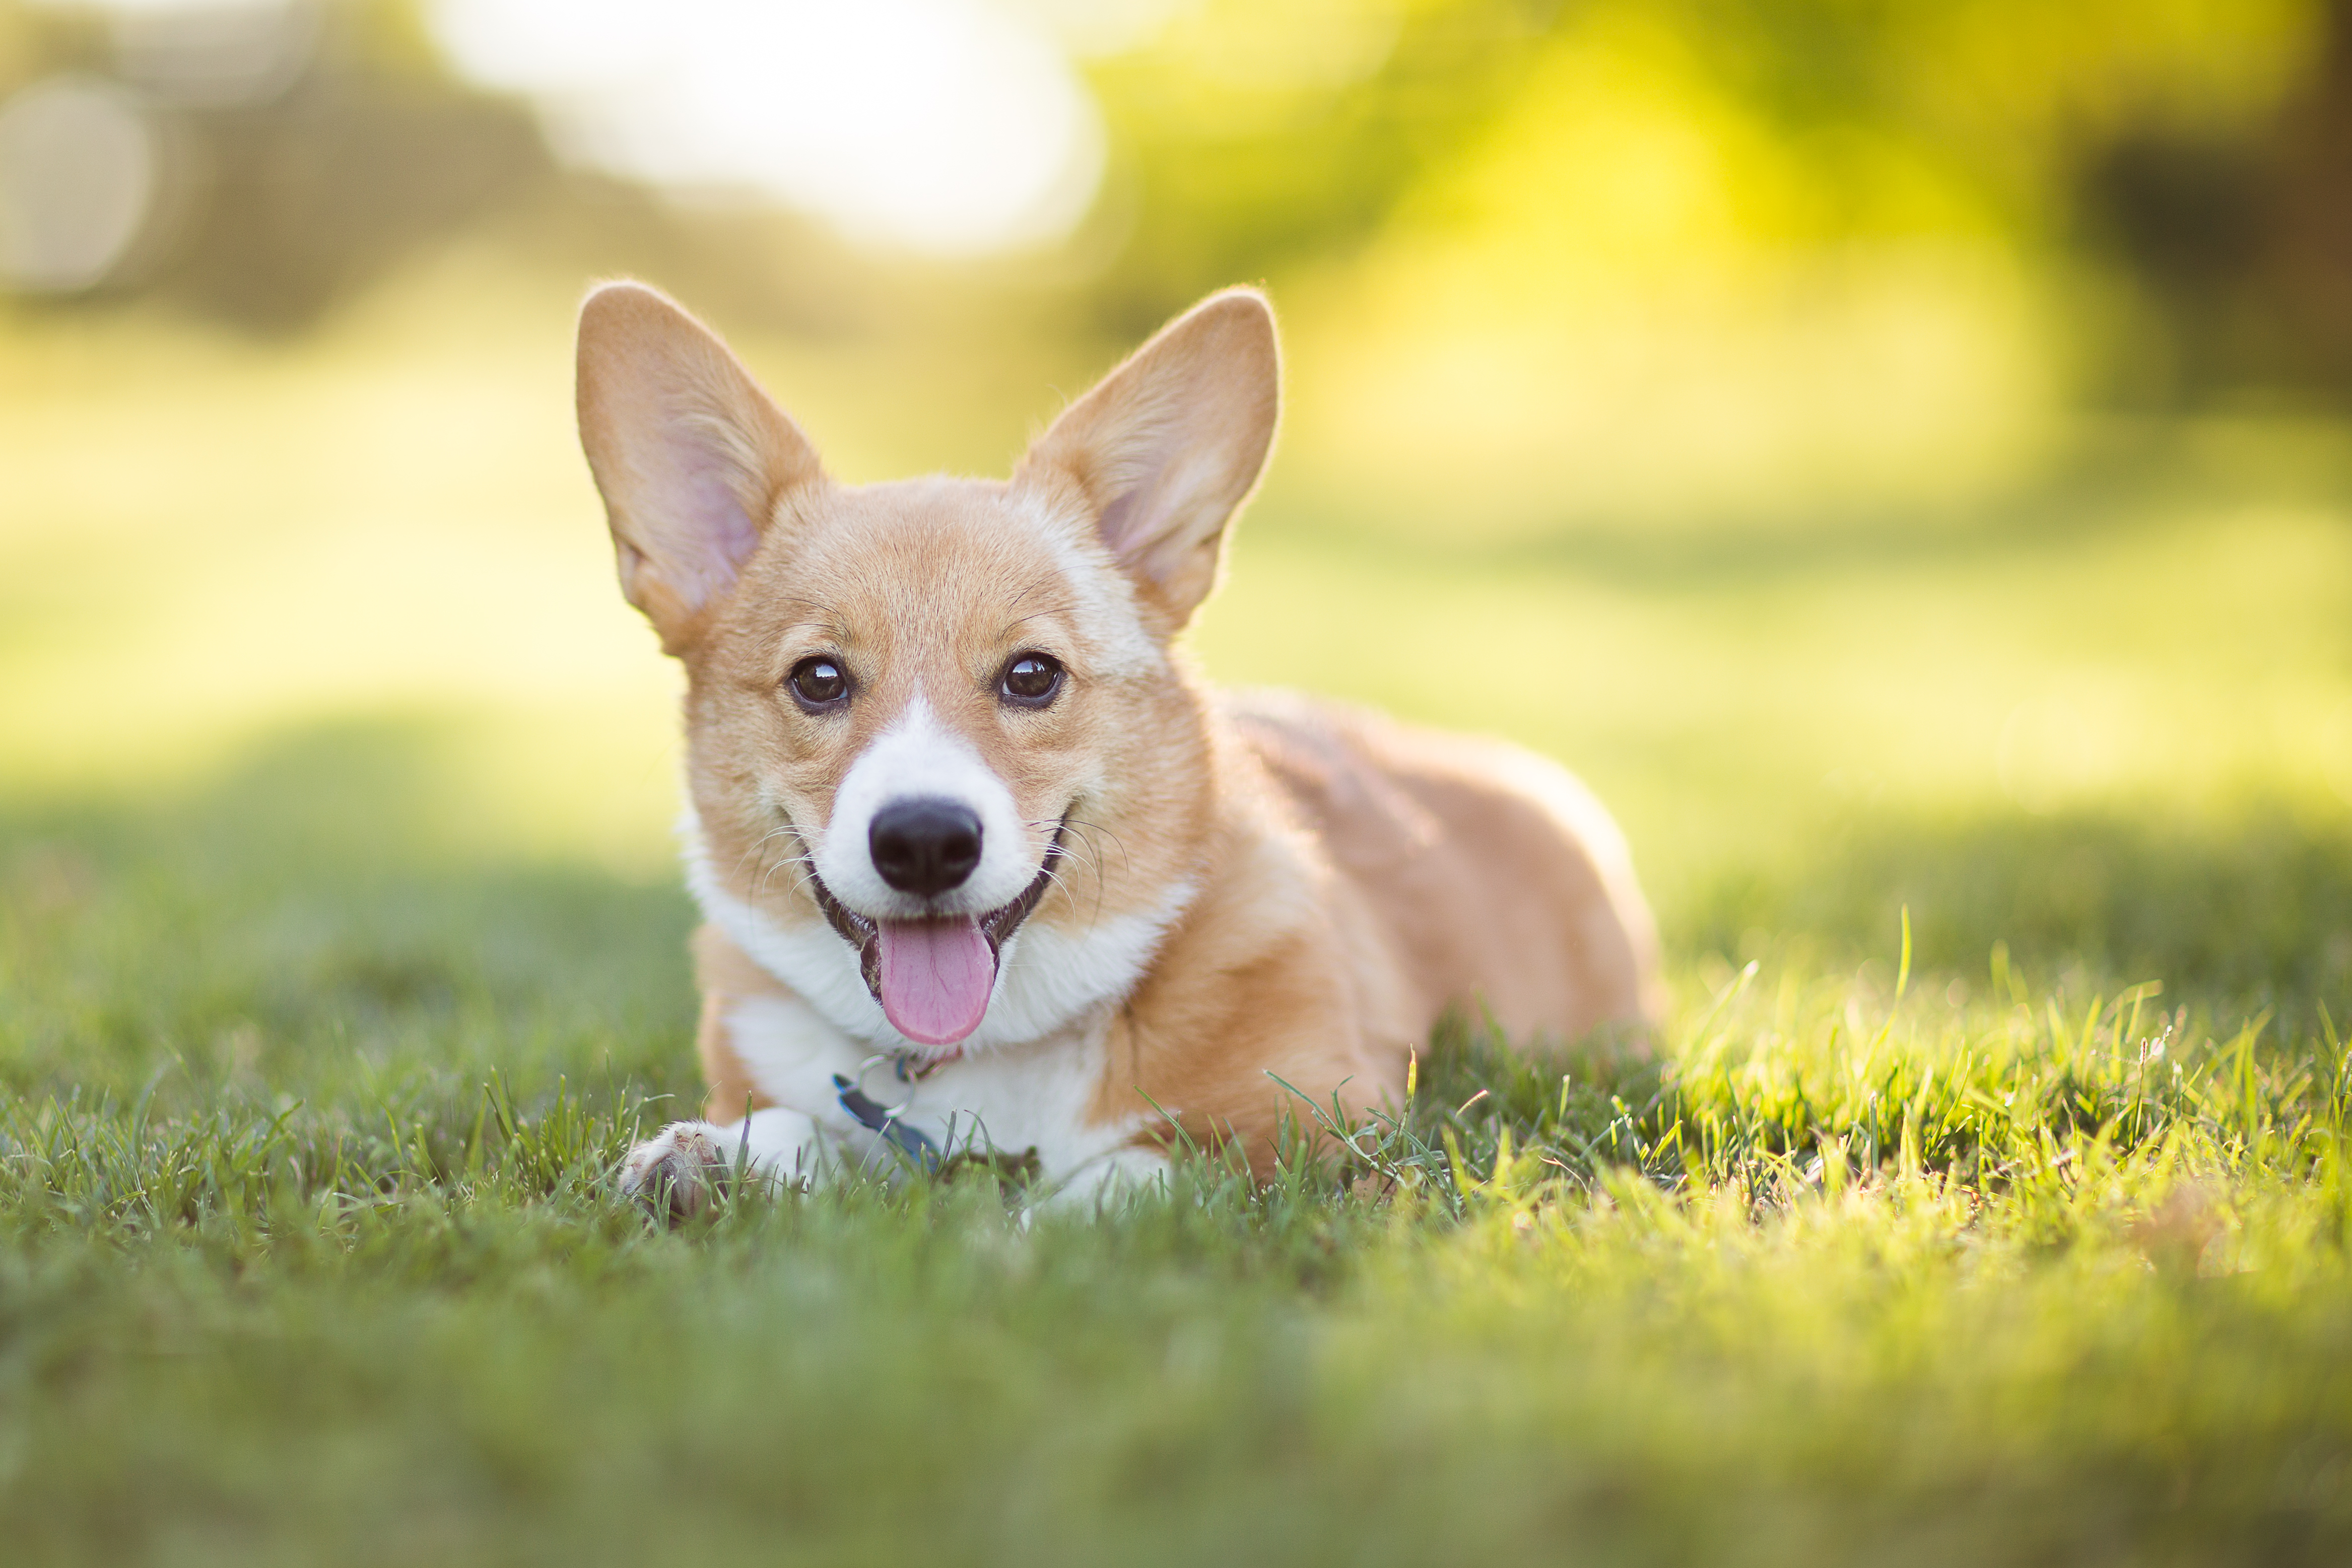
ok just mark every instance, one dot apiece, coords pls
pixel 1010 1099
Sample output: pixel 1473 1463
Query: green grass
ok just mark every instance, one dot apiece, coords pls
pixel 308 1253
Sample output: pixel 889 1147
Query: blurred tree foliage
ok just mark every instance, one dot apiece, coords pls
pixel 2239 238
pixel 284 198
pixel 282 190
pixel 2179 147
pixel 2193 158
pixel 1253 137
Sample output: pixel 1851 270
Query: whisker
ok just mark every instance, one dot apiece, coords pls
pixel 1105 832
pixel 1054 877
pixel 1094 856
pixel 757 843
pixel 803 859
pixel 1091 859
pixel 1075 846
pixel 1090 856
pixel 807 871
pixel 1040 581
pixel 1033 615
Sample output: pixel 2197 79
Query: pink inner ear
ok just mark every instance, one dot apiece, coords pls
pixel 1116 518
pixel 1127 524
pixel 711 536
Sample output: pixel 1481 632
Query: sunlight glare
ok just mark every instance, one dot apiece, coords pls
pixel 944 126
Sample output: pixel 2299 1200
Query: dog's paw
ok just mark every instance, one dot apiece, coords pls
pixel 679 1172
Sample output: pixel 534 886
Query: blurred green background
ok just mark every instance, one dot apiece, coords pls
pixel 1908 437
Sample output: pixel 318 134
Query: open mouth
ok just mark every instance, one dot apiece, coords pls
pixel 933 975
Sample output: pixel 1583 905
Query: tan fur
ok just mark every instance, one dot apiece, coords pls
pixel 1352 878
pixel 727 976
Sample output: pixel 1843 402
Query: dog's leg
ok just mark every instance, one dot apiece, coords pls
pixel 685 1166
pixel 746 1015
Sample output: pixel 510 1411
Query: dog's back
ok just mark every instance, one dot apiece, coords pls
pixel 1491 878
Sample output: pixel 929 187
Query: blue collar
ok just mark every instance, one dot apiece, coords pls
pixel 912 1142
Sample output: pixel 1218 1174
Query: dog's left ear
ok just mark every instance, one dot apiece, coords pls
pixel 690 455
pixel 1167 446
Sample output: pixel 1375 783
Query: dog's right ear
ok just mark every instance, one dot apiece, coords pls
pixel 690 455
pixel 1166 447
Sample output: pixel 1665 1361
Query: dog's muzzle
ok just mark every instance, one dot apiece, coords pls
pixel 906 984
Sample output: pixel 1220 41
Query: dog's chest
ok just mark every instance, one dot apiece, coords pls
pixel 1010 1099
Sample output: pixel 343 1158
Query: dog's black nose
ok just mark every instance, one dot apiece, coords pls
pixel 924 846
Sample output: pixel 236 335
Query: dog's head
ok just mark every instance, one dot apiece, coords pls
pixel 931 714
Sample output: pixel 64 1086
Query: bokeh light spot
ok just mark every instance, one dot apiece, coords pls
pixel 77 178
pixel 943 126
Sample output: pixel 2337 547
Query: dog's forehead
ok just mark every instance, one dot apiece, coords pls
pixel 958 560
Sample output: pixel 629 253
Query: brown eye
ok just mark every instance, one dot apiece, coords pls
pixel 818 684
pixel 1031 681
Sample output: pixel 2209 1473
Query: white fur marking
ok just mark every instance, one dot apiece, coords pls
pixel 1032 1097
pixel 917 757
pixel 779 1146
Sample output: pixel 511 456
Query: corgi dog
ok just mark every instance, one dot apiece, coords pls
pixel 983 864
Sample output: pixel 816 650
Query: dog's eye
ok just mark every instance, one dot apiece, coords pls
pixel 818 683
pixel 1031 680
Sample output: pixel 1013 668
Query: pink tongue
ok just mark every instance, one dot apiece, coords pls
pixel 936 976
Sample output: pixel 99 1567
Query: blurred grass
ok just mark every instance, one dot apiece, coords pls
pixel 310 1251
pixel 203 540
pixel 340 957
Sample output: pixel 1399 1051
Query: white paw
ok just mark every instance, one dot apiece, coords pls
pixel 681 1169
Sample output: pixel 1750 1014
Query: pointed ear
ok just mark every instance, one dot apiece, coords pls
pixel 1165 449
pixel 689 453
